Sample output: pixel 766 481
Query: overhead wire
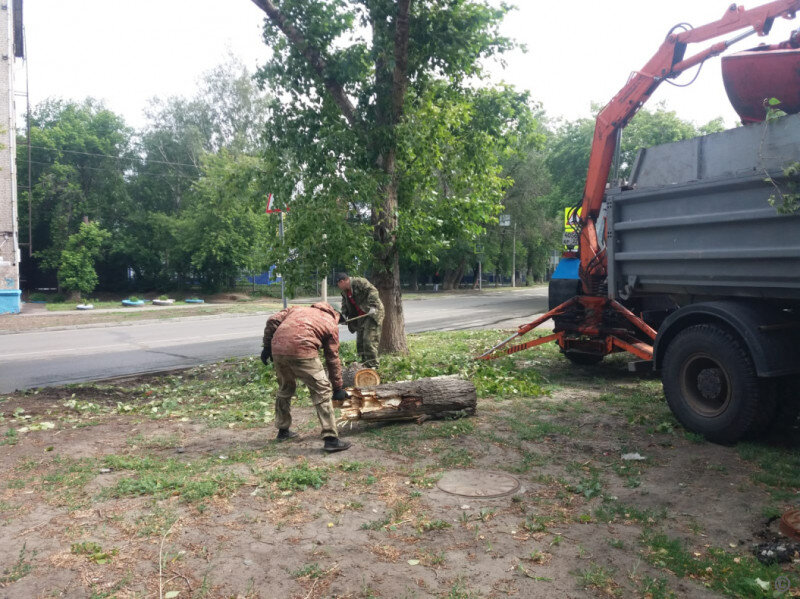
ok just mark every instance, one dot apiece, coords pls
pixel 148 160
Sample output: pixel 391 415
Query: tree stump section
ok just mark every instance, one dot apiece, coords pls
pixel 349 374
pixel 435 397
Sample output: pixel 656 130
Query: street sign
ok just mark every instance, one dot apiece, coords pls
pixel 505 220
pixel 271 209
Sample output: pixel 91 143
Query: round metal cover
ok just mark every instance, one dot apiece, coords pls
pixel 790 524
pixel 478 483
pixel 366 377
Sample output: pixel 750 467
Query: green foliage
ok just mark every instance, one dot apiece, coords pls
pixel 21 568
pixel 298 478
pixel 733 575
pixel 93 552
pixel 568 156
pixel 309 571
pixel 429 139
pixel 79 155
pixel 787 201
pixel 76 272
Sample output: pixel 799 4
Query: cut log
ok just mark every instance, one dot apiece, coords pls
pixel 436 397
pixel 349 374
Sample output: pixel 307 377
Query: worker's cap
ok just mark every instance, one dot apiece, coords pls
pixel 340 276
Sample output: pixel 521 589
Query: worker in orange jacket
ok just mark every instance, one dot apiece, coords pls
pixel 292 340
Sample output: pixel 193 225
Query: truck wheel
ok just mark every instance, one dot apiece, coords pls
pixel 710 383
pixel 582 358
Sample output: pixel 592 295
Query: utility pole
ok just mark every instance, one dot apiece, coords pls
pixel 283 281
pixel 514 257
pixel 9 235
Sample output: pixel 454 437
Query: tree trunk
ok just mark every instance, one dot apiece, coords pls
pixel 435 397
pixel 387 271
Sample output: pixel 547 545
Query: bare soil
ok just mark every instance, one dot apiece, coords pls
pixel 378 526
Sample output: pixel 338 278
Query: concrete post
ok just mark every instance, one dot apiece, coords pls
pixel 9 234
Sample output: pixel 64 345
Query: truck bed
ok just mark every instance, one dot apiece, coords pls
pixel 698 221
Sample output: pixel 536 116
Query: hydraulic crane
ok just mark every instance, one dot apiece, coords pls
pixel 592 323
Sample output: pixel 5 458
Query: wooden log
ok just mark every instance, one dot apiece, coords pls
pixel 436 397
pixel 349 374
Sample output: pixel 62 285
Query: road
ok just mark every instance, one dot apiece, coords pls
pixel 43 358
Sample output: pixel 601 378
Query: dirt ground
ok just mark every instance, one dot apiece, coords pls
pixel 124 491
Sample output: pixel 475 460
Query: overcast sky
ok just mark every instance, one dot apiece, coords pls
pixel 580 52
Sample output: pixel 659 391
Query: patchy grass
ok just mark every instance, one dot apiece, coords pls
pixel 732 575
pixel 297 478
pixel 180 471
pixel 20 568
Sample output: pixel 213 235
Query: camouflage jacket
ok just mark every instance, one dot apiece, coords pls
pixel 300 331
pixel 365 295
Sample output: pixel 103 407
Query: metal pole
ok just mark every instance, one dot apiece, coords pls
pixel 325 289
pixel 480 275
pixel 283 274
pixel 514 258
pixel 28 124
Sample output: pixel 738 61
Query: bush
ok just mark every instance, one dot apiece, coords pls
pixel 133 298
pixel 37 297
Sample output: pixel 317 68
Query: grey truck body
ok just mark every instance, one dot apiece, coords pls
pixel 695 222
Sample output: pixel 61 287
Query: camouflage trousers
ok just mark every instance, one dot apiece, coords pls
pixel 310 372
pixel 368 337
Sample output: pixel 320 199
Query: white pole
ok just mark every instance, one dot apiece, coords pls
pixel 283 274
pixel 325 289
pixel 480 275
pixel 514 257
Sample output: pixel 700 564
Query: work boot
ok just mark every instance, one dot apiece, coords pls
pixel 333 444
pixel 284 434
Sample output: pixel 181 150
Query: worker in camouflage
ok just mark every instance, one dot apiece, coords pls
pixel 292 340
pixel 360 298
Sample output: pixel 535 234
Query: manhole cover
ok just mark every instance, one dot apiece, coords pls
pixel 478 483
pixel 790 524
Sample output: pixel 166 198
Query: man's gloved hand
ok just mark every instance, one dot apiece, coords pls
pixel 352 327
pixel 339 394
pixel 372 312
pixel 266 354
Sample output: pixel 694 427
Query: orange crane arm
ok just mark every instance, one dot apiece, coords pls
pixel 668 62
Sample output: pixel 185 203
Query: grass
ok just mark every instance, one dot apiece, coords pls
pixel 93 552
pixel 600 578
pixel 732 575
pixel 19 569
pixel 298 478
pixel 560 429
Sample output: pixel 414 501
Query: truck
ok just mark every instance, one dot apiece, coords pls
pixel 693 264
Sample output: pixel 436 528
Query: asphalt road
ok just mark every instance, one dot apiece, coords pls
pixel 43 358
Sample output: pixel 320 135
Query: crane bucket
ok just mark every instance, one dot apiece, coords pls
pixel 753 77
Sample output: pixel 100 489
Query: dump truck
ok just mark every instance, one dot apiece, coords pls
pixel 693 264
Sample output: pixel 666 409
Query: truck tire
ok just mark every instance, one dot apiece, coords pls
pixel 710 383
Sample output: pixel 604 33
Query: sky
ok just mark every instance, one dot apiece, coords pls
pixel 126 53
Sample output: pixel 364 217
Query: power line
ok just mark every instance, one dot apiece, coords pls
pixel 100 170
pixel 115 157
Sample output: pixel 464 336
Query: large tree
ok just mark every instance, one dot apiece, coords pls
pixel 347 73
pixel 80 153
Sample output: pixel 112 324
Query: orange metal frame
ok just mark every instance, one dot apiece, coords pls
pixel 592 327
